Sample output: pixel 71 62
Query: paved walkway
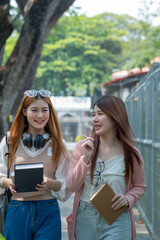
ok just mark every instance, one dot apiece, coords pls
pixel 66 209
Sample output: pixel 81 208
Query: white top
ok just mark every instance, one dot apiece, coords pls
pixel 112 171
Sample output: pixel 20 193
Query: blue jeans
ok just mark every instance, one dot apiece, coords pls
pixel 90 225
pixel 33 220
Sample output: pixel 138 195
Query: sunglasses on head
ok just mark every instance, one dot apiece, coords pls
pixel 33 93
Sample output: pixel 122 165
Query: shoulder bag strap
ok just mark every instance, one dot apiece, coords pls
pixel 7 154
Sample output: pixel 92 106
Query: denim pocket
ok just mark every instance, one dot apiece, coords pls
pixel 125 216
pixel 50 202
pixel 87 209
pixel 14 203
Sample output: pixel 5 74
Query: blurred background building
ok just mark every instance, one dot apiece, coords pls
pixel 74 114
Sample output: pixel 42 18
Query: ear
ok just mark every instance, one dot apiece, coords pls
pixel 24 112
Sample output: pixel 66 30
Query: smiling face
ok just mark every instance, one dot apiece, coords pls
pixel 102 123
pixel 37 114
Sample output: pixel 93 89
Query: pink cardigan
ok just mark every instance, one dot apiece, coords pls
pixel 135 187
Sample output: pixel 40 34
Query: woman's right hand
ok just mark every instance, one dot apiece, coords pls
pixel 8 183
pixel 87 149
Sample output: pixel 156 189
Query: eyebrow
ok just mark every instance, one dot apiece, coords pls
pixel 98 111
pixel 38 107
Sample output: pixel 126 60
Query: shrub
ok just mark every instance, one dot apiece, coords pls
pixel 79 137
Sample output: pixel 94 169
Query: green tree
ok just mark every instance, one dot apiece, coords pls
pixel 79 54
pixel 82 52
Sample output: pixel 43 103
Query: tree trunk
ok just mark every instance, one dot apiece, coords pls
pixel 6 27
pixel 19 72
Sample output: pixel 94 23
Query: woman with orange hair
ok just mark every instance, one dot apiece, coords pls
pixel 109 155
pixel 35 137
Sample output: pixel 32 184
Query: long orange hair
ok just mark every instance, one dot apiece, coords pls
pixel 52 127
pixel 115 108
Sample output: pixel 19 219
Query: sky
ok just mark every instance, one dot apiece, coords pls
pixel 130 7
pixel 94 7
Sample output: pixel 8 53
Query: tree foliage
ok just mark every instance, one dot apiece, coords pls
pixel 80 53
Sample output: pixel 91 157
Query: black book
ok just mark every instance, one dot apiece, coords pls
pixel 27 176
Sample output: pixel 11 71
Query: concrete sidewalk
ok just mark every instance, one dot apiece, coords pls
pixel 141 229
pixel 66 209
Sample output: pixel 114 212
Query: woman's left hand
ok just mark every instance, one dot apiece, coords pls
pixel 49 184
pixel 119 201
pixel 45 185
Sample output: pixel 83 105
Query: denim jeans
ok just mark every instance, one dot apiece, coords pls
pixel 90 225
pixel 33 220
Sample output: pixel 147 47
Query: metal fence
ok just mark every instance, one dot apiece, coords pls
pixel 143 106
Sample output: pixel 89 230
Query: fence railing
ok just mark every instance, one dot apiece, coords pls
pixel 143 106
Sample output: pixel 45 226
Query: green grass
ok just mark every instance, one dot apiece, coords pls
pixel 1 237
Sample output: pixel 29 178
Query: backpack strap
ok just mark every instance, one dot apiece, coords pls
pixel 7 142
pixel 7 153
